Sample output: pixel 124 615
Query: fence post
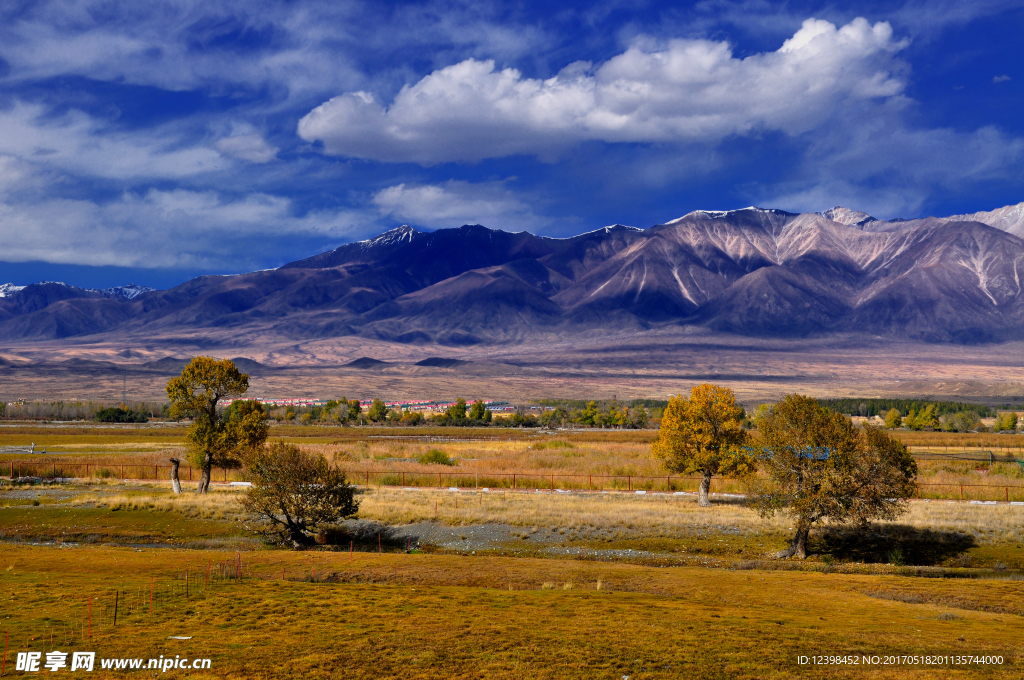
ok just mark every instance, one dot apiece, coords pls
pixel 590 482
pixel 438 480
pixel 513 481
pixel 403 479
pixel 629 482
pixel 961 492
pixel 122 471
pixel 1007 494
pixel 552 482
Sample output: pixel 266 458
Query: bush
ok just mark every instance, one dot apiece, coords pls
pixel 435 457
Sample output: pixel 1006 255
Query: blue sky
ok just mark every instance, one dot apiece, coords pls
pixel 151 142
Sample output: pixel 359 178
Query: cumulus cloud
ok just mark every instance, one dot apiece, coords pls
pixel 683 90
pixel 453 204
pixel 1001 79
pixel 252 148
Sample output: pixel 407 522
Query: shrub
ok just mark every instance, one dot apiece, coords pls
pixel 435 457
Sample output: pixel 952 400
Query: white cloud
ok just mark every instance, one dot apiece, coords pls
pixel 289 50
pixel 76 143
pixel 453 204
pixel 252 148
pixel 1001 79
pixel 177 228
pixel 685 90
pixel 888 170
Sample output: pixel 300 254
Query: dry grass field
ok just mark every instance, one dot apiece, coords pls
pixel 430 616
pixel 496 583
pixel 486 457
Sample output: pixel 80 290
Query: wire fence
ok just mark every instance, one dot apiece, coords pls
pixel 32 471
pixel 109 609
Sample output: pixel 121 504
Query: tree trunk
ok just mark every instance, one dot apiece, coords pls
pixel 798 547
pixel 204 480
pixel 702 493
pixel 175 482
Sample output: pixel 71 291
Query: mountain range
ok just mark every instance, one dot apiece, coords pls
pixel 754 271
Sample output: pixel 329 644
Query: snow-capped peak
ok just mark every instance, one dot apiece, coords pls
pixel 392 236
pixel 851 218
pixel 725 213
pixel 9 289
pixel 129 292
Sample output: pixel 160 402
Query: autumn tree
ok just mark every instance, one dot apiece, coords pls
pixel 457 411
pixel 378 411
pixel 703 435
pixel 216 438
pixel 479 411
pixel 295 493
pixel 820 466
pixel 893 419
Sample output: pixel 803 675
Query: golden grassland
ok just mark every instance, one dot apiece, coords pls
pixel 579 459
pixel 665 529
pixel 430 616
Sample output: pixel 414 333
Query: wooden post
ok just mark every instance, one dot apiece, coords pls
pixel 1007 494
pixel 122 471
pixel 190 473
pixel 552 482
pixel 629 482
pixel 351 550
pixel 590 482
pixel 156 472
pixel 513 481
pixel 961 492
pixel 403 478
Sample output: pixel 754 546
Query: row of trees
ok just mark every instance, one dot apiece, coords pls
pixel 815 463
pixel 961 421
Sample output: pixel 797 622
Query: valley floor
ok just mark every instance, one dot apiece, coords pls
pixel 524 586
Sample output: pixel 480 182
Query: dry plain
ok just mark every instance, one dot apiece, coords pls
pixel 651 364
pixel 520 584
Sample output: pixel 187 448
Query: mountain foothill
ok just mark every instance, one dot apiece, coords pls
pixel 754 272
